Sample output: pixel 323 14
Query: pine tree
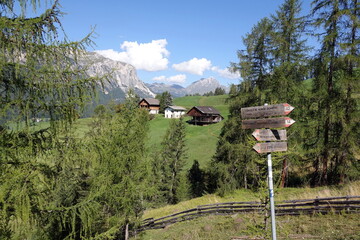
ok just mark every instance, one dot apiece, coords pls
pixel 120 168
pixel 331 88
pixel 290 69
pixel 196 178
pixel 165 100
pixel 350 84
pixel 173 157
pixel 40 77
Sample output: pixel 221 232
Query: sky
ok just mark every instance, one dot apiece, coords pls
pixel 173 42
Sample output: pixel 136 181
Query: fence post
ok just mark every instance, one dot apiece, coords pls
pixel 316 203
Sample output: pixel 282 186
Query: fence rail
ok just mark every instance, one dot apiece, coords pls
pixel 348 204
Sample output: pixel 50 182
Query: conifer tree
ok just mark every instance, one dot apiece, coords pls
pixel 290 70
pixel 165 100
pixel 173 157
pixel 120 169
pixel 331 88
pixel 41 185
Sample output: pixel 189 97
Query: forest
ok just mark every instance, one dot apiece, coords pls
pixel 55 185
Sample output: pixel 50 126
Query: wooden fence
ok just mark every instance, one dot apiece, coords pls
pixel 347 204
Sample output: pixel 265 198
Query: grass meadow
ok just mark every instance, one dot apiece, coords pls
pixel 200 140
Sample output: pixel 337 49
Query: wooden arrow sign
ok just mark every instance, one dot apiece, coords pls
pixel 267 123
pixel 270 147
pixel 266 111
pixel 269 135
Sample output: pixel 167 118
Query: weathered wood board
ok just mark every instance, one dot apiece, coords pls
pixel 266 111
pixel 269 135
pixel 270 147
pixel 267 123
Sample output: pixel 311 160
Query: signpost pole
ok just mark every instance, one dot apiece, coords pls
pixel 258 117
pixel 271 195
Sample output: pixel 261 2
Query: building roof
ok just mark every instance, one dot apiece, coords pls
pixel 207 110
pixel 178 108
pixel 151 101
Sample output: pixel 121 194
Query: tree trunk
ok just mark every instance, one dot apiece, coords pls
pixel 284 173
pixel 127 231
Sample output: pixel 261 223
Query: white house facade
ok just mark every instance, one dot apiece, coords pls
pixel 174 112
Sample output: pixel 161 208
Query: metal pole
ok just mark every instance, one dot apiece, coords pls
pixel 271 194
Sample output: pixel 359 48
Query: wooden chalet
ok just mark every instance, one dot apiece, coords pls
pixel 152 104
pixel 204 115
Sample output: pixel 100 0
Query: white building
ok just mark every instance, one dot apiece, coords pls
pixel 174 112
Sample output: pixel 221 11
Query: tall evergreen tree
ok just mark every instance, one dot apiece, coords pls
pixel 331 85
pixel 120 169
pixel 165 100
pixel 40 181
pixel 290 68
pixel 256 61
pixel 350 85
pixel 173 157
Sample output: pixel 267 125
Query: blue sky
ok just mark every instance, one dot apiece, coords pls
pixel 169 41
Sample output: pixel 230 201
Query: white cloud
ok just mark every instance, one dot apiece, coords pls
pixel 180 78
pixel 193 66
pixel 144 56
pixel 225 73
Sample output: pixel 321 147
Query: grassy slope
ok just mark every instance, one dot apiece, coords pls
pixel 251 225
pixel 200 140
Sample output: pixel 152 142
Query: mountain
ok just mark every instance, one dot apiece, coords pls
pixel 121 76
pixel 174 89
pixel 203 85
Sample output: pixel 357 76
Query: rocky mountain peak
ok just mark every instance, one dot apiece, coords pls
pixel 121 76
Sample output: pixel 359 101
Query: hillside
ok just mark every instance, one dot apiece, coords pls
pixel 250 226
pixel 200 140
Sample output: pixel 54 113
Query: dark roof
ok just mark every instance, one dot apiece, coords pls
pixel 151 101
pixel 207 110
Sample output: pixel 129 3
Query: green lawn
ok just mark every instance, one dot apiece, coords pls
pixel 200 140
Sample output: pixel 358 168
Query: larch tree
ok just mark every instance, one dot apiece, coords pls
pixel 172 158
pixel 290 68
pixel 119 175
pixel 337 62
pixel 41 184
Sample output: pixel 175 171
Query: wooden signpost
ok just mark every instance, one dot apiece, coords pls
pixel 266 111
pixel 251 120
pixel 280 122
pixel 269 135
pixel 268 147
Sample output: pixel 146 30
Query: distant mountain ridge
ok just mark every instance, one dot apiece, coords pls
pixel 201 87
pixel 121 76
pixel 174 89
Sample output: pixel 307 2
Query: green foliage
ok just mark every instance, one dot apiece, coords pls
pixel 120 168
pixel 172 159
pixel 196 178
pixel 273 65
pixel 165 100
